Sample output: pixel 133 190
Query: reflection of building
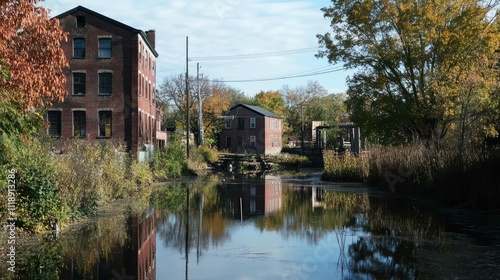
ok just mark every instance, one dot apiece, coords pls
pixel 253 198
pixel 143 245
pixel 134 259
pixel 317 197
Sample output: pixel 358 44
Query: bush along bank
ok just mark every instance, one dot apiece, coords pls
pixel 60 188
pixel 468 179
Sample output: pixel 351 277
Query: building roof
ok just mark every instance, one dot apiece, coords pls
pixel 258 110
pixel 103 17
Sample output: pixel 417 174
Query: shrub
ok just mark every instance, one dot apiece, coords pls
pixel 140 174
pixel 211 156
pixel 344 167
pixel 92 173
pixel 293 161
pixel 171 161
pixel 37 200
pixel 202 157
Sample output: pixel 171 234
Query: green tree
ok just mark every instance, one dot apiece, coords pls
pixel 272 101
pixel 299 106
pixel 409 56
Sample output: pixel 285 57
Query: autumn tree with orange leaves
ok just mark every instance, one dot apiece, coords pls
pixel 31 62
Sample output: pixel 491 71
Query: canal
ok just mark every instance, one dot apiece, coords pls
pixel 270 227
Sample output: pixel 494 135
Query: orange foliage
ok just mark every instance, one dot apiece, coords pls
pixel 30 51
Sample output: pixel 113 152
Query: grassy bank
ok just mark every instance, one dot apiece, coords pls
pixel 62 188
pixel 469 179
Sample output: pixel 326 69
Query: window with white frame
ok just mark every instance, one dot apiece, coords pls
pixel 252 123
pixel 252 141
pixel 229 123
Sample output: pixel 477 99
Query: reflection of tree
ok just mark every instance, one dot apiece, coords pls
pixel 385 257
pixel 209 229
pixel 94 242
pixel 299 217
pixel 395 231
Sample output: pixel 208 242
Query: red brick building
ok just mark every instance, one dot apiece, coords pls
pixel 111 82
pixel 251 129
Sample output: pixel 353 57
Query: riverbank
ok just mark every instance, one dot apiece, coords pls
pixel 482 226
pixel 470 179
pixel 468 240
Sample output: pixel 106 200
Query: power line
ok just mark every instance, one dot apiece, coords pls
pixel 255 55
pixel 284 77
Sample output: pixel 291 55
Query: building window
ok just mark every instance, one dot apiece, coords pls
pixel 253 207
pixel 240 142
pixel 54 118
pixel 79 48
pixel 228 141
pixel 104 48
pixel 252 123
pixel 105 83
pixel 78 83
pixel 105 123
pixel 79 124
pixel 252 141
pixel 80 21
pixel 241 123
pixel 229 123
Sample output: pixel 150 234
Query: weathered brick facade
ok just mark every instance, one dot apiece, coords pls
pixel 251 129
pixel 111 81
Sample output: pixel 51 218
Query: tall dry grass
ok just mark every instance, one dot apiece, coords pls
pixel 470 178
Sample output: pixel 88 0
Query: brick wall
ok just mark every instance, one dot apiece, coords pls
pixel 132 67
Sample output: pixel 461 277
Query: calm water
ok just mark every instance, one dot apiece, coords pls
pixel 264 228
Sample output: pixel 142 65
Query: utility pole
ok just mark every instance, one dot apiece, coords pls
pixel 302 127
pixel 200 114
pixel 187 99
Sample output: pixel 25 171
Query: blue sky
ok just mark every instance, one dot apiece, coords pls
pixel 229 28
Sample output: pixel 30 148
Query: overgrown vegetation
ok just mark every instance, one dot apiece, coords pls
pixel 345 167
pixel 69 186
pixel 291 161
pixel 469 179
pixel 202 157
pixel 171 162
pixel 37 199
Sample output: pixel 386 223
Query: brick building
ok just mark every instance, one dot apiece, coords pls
pixel 251 129
pixel 111 82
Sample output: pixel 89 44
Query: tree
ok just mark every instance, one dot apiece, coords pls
pixel 272 101
pixel 31 57
pixel 216 97
pixel 410 55
pixel 297 106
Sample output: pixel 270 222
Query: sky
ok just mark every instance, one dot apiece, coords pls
pixel 240 42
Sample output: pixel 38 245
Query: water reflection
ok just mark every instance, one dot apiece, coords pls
pixel 364 237
pixel 263 228
pixel 122 246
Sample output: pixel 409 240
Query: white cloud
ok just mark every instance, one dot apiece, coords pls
pixel 227 27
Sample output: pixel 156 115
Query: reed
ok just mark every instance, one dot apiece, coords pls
pixel 468 178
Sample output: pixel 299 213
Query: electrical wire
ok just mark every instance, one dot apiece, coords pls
pixel 256 55
pixel 285 77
